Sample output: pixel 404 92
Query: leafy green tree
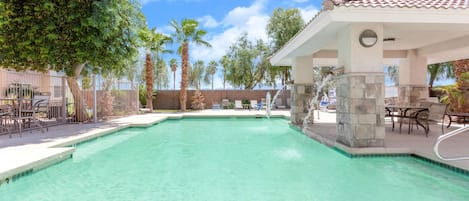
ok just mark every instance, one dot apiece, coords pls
pixel 69 36
pixel 210 72
pixel 174 65
pixel 246 63
pixel 187 32
pixel 195 74
pixel 282 26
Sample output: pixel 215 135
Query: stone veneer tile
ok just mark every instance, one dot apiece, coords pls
pixel 367 119
pixel 363 106
pixel 364 131
pixel 370 79
pixel 357 81
pixel 373 90
pixel 356 92
pixel 360 111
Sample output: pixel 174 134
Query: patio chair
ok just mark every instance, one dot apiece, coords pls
pixel 33 114
pixel 455 116
pixel 4 116
pixel 435 113
pixel 41 107
pixel 238 104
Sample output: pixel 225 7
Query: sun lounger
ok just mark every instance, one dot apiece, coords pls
pixel 253 104
pixel 225 103
pixel 238 104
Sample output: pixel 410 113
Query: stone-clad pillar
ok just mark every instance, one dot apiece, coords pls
pixel 412 79
pixel 360 90
pixel 360 109
pixel 302 89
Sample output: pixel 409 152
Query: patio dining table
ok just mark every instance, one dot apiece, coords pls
pixel 20 110
pixel 401 112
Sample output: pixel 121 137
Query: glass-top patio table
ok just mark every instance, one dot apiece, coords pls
pixel 401 112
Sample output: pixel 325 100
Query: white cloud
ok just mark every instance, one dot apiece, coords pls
pixel 251 20
pixel 308 13
pixel 239 15
pixel 208 21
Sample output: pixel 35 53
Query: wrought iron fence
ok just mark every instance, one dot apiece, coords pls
pixel 97 98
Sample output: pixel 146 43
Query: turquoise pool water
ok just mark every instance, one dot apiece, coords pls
pixel 230 159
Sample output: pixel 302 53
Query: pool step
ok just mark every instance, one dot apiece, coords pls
pixel 17 163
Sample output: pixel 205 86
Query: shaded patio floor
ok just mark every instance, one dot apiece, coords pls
pixel 324 130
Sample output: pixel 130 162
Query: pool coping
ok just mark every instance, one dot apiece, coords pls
pixel 64 149
pixel 383 152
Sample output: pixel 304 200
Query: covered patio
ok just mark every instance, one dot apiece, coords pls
pixel 396 143
pixel 360 37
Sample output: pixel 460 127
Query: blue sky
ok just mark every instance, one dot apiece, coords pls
pixel 225 21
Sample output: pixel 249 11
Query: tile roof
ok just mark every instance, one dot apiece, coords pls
pixel 437 4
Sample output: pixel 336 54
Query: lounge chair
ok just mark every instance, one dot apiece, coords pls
pixel 279 104
pixel 253 104
pixel 225 103
pixel 238 104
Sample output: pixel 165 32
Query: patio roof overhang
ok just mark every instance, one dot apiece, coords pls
pixel 440 34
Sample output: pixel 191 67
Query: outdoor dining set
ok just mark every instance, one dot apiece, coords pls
pixel 422 114
pixel 19 114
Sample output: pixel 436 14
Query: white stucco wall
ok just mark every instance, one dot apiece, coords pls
pixel 302 70
pixel 413 69
pixel 353 56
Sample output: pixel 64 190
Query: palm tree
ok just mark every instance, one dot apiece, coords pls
pixel 393 73
pixel 161 74
pixel 174 66
pixel 184 33
pixel 225 63
pixel 155 43
pixel 440 71
pixel 210 71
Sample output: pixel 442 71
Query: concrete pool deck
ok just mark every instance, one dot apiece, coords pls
pixel 35 150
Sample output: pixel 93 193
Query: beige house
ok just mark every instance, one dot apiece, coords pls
pixel 360 37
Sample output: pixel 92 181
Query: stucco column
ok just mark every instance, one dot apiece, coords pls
pixel 360 89
pixel 412 78
pixel 302 89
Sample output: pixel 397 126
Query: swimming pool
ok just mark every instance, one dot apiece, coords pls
pixel 230 159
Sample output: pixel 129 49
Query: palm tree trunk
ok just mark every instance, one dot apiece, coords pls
pixel 212 82
pixel 174 80
pixel 224 81
pixel 149 81
pixel 184 77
